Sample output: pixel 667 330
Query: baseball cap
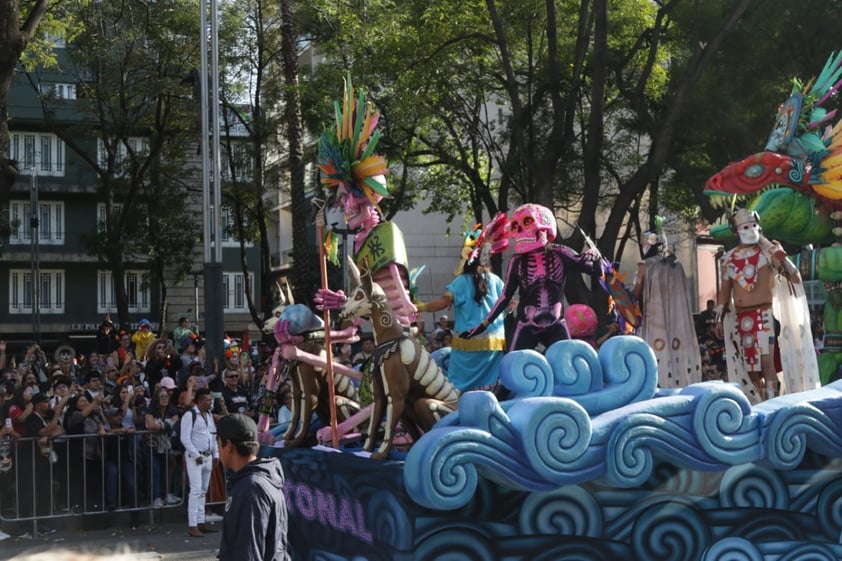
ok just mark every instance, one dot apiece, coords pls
pixel 237 428
pixel 39 397
pixel 167 383
pixel 185 342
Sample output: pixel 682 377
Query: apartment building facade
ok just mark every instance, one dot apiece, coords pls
pixel 52 287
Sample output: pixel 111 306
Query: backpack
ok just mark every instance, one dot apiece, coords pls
pixel 176 439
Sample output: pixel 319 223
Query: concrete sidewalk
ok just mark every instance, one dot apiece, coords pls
pixel 162 536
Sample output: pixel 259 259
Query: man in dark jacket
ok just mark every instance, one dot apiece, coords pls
pixel 254 527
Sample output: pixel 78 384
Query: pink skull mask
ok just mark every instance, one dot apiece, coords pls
pixel 359 211
pixel 532 227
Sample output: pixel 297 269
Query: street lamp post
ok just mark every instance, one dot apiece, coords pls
pixel 211 188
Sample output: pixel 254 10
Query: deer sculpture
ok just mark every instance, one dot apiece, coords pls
pixel 407 384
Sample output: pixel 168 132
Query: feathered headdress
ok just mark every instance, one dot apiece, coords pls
pixel 346 150
pixel 471 247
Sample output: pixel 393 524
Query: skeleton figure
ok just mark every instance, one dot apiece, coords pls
pixel 300 337
pixel 381 246
pixel 537 271
pixel 352 170
pixel 64 356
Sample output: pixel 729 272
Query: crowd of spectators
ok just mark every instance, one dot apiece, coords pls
pixel 94 431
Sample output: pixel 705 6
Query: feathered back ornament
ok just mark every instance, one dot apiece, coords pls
pixel 797 130
pixel 346 150
pixel 471 245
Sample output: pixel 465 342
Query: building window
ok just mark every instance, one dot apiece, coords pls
pixel 234 292
pixel 229 229
pixel 50 291
pixel 139 146
pixel 137 291
pixel 43 153
pixel 65 91
pixel 50 221
pixel 59 91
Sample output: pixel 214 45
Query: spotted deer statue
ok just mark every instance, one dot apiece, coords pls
pixel 407 384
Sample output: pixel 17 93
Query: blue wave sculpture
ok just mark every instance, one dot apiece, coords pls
pixel 577 416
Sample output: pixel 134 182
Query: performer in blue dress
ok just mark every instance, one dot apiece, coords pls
pixel 474 362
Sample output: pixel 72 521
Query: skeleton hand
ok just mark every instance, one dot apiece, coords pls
pixel 327 299
pixel 600 267
pixel 591 255
pixel 473 332
pixel 349 334
pixel 498 231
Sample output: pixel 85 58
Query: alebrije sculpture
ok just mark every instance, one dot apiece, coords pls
pixel 356 176
pixel 300 337
pixel 408 384
pixel 795 186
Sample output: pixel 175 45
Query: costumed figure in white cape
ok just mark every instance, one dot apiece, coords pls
pixel 667 324
pixel 760 285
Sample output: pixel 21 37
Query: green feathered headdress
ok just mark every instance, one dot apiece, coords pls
pixel 346 150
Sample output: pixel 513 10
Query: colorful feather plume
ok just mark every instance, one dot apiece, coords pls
pixel 413 281
pixel 346 150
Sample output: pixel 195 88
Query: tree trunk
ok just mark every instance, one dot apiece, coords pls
pixel 303 278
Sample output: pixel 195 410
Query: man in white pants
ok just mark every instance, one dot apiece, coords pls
pixel 198 435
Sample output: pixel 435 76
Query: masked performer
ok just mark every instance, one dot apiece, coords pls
pixel 757 277
pixel 474 364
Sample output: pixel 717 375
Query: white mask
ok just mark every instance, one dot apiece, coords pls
pixel 749 235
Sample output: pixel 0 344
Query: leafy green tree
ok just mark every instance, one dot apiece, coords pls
pixel 250 48
pixel 260 56
pixel 589 100
pixel 731 111
pixel 303 255
pixel 129 59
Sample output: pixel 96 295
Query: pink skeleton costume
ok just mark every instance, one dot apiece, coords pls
pixel 537 271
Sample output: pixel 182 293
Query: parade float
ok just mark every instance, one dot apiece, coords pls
pixel 586 459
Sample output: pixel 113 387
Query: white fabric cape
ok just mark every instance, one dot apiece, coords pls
pixel 795 341
pixel 668 323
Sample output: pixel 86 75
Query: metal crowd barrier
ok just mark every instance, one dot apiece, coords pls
pixel 52 478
